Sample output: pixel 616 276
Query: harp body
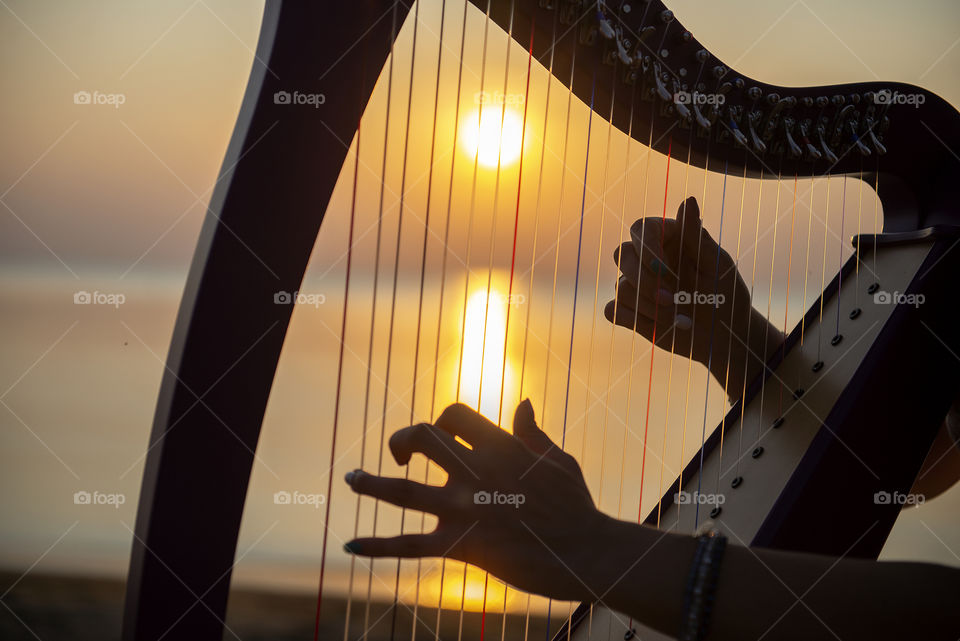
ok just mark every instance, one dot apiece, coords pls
pixel 812 486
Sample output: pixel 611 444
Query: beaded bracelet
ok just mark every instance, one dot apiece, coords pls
pixel 698 595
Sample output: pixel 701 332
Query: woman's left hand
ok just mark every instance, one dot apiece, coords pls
pixel 515 505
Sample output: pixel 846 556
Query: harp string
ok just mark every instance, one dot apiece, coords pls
pixel 556 264
pixel 856 287
pixel 513 262
pixel 596 287
pixel 806 266
pixel 466 280
pixel 693 322
pixel 786 305
pixel 443 271
pixel 576 280
pixel 746 348
pixel 373 312
pixel 633 335
pixel 533 255
pixel 843 216
pixel 423 264
pixel 616 300
pixel 337 394
pixel 823 268
pixel 733 308
pixel 486 310
pixel 713 319
pixel 766 329
pixel 689 359
pixel 393 306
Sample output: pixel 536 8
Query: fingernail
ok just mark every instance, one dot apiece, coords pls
pixel 665 296
pixel 527 402
pixel 684 322
pixel 351 547
pixel 351 476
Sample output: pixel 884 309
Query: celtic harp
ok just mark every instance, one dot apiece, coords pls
pixel 460 174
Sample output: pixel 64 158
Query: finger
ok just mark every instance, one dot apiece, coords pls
pixel 627 261
pixel 694 238
pixel 688 216
pixel 646 299
pixel 432 442
pixel 525 428
pixel 662 310
pixel 472 427
pixel 405 546
pixel 624 317
pixel 400 492
pixel 658 259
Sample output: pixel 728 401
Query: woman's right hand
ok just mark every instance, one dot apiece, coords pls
pixel 681 289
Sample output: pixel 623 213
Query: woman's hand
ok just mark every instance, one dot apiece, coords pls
pixel 515 505
pixel 679 282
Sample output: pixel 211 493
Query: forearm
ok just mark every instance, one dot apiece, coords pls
pixel 740 358
pixel 778 595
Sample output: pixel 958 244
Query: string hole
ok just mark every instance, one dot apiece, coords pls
pixel 736 482
pixel 757 452
pixel 715 512
pixel 873 288
pixel 777 423
pixel 817 366
pixel 797 393
pixel 836 340
pixel 854 313
pixel 629 634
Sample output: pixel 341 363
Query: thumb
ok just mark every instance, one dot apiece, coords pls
pixel 525 428
pixel 688 217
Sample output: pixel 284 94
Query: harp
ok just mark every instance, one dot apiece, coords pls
pixel 799 456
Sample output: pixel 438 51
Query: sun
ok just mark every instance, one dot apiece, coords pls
pixel 489 138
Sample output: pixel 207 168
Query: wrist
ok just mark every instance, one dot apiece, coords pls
pixel 640 571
